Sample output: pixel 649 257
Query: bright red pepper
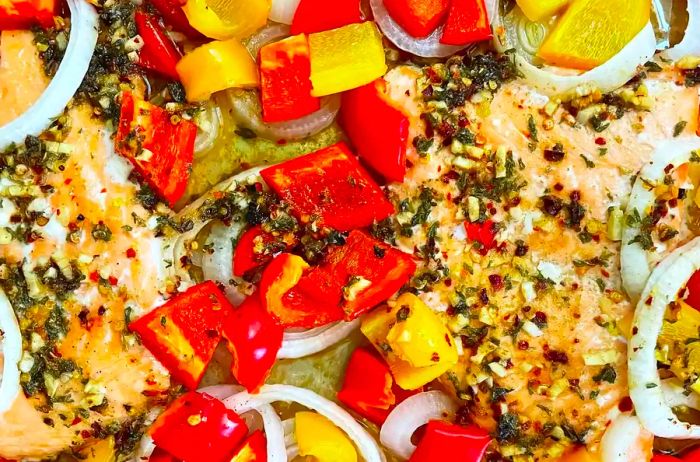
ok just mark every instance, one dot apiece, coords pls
pixel 255 248
pixel 693 291
pixel 23 14
pixel 418 17
pixel 158 53
pixel 484 233
pixel 467 22
pixel 160 149
pixel 443 440
pixel 285 86
pixel 197 427
pixel 665 458
pixel 692 456
pixel 184 332
pixel 331 187
pixel 172 13
pixel 315 15
pixel 254 449
pixel 367 387
pixel 161 455
pixel 253 338
pixel 377 129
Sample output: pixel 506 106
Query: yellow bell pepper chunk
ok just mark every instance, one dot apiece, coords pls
pixel 346 58
pixel 685 326
pixel 320 438
pixel 580 455
pixel 592 31
pixel 416 344
pixel 537 10
pixel 102 451
pixel 225 19
pixel 216 66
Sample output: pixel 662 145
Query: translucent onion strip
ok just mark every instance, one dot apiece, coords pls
pixel 300 344
pixel 283 10
pixel 690 45
pixel 625 440
pixel 268 34
pixel 11 349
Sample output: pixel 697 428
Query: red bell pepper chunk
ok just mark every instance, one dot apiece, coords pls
pixel 250 252
pixel 183 333
pixel 693 291
pixel 158 53
pixel 418 17
pixel 483 233
pixel 253 338
pixel 161 455
pixel 443 440
pixel 285 84
pixel 377 129
pixel 467 22
pixel 367 387
pixel 331 187
pixel 198 427
pixel 254 449
pixel 316 16
pixel 23 14
pixel 160 149
pixel 172 13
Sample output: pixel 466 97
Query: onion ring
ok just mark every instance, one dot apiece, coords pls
pixel 70 74
pixel 11 348
pixel 624 440
pixel 305 343
pixel 217 265
pixel 271 33
pixel 675 395
pixel 283 10
pixel 208 127
pixel 690 45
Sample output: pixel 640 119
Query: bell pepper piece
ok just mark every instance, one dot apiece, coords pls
pixel 417 17
pixel 580 455
pixel 592 31
pixel 413 332
pixel 216 66
pixel 315 16
pixel 377 129
pixel 443 440
pixel 158 53
pixel 691 456
pixel 23 14
pixel 665 458
pixel 161 455
pixel 183 333
pixel 484 233
pixel 101 451
pixel 171 11
pixel 253 338
pixel 256 247
pixel 223 20
pixel 467 22
pixel 161 150
pixel 538 10
pixel 346 58
pixel 320 438
pixel 285 88
pixel 367 387
pixel 254 449
pixel 330 187
pixel 692 297
pixel 195 425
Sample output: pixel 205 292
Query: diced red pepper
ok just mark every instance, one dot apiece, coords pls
pixel 183 333
pixel 254 449
pixel 418 17
pixel 484 233
pixel 367 387
pixel 443 440
pixel 23 14
pixel 666 458
pixel 691 456
pixel 161 455
pixel 160 148
pixel 250 251
pixel 198 427
pixel 693 291
pixel 316 16
pixel 172 13
pixel 158 53
pixel 253 338
pixel 377 129
pixel 467 22
pixel 285 85
pixel 331 187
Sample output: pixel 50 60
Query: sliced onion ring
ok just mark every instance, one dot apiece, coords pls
pixel 218 265
pixel 246 109
pixel 268 34
pixel 283 10
pixel 74 65
pixel 300 344
pixel 663 287
pixel 635 262
pixel 410 415
pixel 11 349
pixel 426 47
pixel 367 446
pixel 675 395
pixel 625 440
pixel 690 45
pixel 208 128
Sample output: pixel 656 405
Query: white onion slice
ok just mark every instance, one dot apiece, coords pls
pixel 217 265
pixel 366 445
pixel 70 73
pixel 411 414
pixel 625 440
pixel 221 391
pixel 11 349
pixel 690 45
pixel 663 287
pixel 208 128
pixel 246 109
pixel 283 10
pixel 636 263
pixel 675 395
pixel 268 34
pixel 426 47
pixel 300 344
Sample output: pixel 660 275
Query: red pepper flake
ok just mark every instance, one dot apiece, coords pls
pixel 94 276
pixel 68 181
pixel 76 421
pixel 496 282
pixel 600 141
pixel 625 404
pixel 130 253
pixel 113 281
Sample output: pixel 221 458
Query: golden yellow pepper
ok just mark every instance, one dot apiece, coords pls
pixel 225 19
pixel 320 438
pixel 415 342
pixel 102 451
pixel 216 66
pixel 592 31
pixel 537 10
pixel 346 58
pixel 580 455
